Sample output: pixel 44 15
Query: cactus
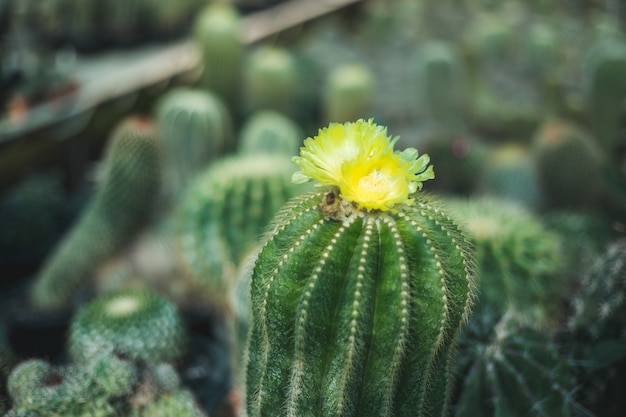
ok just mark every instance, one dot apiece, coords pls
pixel 138 324
pixel 569 164
pixel 605 95
pixel 122 204
pixel 271 80
pixel 360 288
pixel 510 173
pixel 216 32
pixel 270 132
pixel 196 128
pixel 224 212
pixel 180 403
pixel 441 87
pixel 114 374
pixel 519 259
pixel 506 368
pixel 348 93
pixel 597 332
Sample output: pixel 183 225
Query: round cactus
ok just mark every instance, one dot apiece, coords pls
pixel 360 288
pixel 122 204
pixel 216 32
pixel 270 132
pixel 113 373
pixel 196 129
pixel 348 93
pixel 226 210
pixel 519 260
pixel 138 324
pixel 271 79
pixel 510 369
pixel 180 403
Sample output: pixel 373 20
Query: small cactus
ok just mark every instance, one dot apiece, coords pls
pixel 138 324
pixel 270 132
pixel 122 203
pixel 360 288
pixel 271 80
pixel 179 403
pixel 506 368
pixel 217 34
pixel 348 93
pixel 196 128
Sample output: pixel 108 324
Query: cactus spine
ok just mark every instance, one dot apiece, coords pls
pixel 355 311
pixel 120 207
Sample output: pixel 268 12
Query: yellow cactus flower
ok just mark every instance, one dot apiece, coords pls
pixel 359 159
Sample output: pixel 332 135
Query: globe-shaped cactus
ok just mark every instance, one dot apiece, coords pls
pixel 360 288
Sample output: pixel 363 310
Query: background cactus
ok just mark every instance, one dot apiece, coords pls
pixel 139 324
pixel 506 368
pixel 196 128
pixel 355 310
pixel 519 260
pixel 348 93
pixel 217 34
pixel 270 132
pixel 122 204
pixel 271 81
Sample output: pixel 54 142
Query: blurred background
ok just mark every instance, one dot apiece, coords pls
pixel 518 103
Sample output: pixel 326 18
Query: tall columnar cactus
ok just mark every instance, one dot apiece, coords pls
pixel 506 368
pixel 122 204
pixel 606 91
pixel 270 132
pixel 569 164
pixel 598 331
pixel 224 212
pixel 519 260
pixel 441 86
pixel 348 93
pixel 196 128
pixel 271 80
pixel 138 324
pixel 217 34
pixel 360 288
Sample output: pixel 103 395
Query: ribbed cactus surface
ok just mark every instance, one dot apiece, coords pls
pixel 355 311
pixel 122 204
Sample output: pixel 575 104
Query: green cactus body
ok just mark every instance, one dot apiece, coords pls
pixel 138 324
pixel 196 128
pixel 519 260
pixel 216 31
pixel 606 91
pixel 122 204
pixel 441 86
pixel 348 93
pixel 180 403
pixel 570 166
pixel 509 369
pixel 113 374
pixel 270 132
pixel 271 79
pixel 356 312
pixel 226 210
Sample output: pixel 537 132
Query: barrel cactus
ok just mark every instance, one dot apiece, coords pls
pixel 138 324
pixel 123 202
pixel 270 132
pixel 360 288
pixel 348 93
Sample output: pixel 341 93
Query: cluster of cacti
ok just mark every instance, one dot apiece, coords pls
pixel 226 209
pixel 348 93
pixel 441 87
pixel 216 31
pixel 506 368
pixel 358 293
pixel 122 204
pixel 139 324
pixel 269 132
pixel 196 128
pixel 271 80
pixel 519 260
